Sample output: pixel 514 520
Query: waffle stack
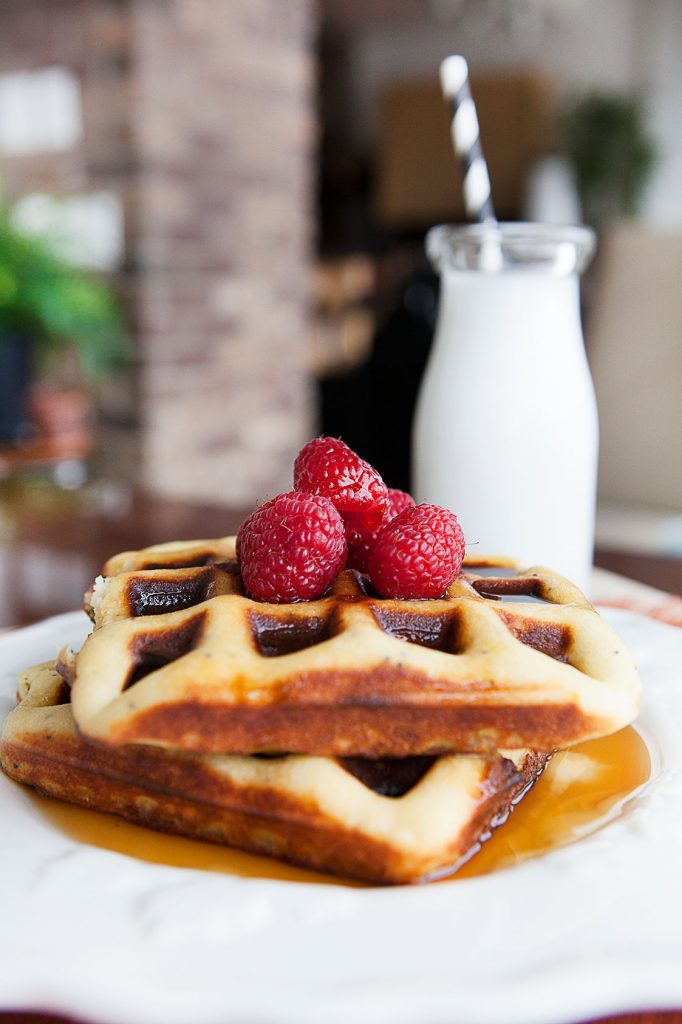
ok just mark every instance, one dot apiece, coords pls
pixel 374 738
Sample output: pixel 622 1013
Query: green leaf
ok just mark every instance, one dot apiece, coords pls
pixel 56 304
pixel 605 138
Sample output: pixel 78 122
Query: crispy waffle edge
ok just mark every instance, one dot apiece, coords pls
pixel 184 794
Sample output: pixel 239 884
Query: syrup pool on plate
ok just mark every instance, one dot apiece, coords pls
pixel 580 790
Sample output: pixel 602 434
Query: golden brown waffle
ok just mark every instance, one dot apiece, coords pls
pixel 503 661
pixel 165 577
pixel 176 554
pixel 383 822
pixel 151 592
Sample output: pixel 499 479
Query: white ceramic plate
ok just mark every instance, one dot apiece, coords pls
pixel 590 929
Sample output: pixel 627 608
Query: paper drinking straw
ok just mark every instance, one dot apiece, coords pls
pixel 454 77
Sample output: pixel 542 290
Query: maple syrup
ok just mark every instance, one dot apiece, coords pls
pixel 580 790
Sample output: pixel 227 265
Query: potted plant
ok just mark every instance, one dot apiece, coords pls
pixel 46 306
pixel 611 152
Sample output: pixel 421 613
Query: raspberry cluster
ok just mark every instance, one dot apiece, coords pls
pixel 340 512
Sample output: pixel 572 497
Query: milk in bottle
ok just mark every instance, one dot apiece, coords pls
pixel 506 425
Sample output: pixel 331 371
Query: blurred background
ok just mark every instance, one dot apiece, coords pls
pixel 211 248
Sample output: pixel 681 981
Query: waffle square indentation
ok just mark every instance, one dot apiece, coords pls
pixel 154 650
pixel 278 635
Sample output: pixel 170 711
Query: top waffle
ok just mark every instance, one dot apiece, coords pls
pixel 183 659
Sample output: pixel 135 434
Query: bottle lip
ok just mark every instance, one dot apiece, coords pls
pixel 493 248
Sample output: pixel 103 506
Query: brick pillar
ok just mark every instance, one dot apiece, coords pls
pixel 223 131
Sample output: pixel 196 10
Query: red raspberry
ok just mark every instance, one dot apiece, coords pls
pixel 361 535
pixel 291 548
pixel 398 501
pixel 418 555
pixel 328 467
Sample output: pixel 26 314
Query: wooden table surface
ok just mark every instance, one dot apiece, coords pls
pixel 52 543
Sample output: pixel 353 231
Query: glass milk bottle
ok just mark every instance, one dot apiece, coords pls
pixel 506 431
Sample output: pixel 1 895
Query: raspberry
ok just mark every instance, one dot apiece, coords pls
pixel 328 467
pixel 291 548
pixel 418 554
pixel 398 501
pixel 361 535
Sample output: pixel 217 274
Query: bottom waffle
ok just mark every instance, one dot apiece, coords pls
pixel 384 821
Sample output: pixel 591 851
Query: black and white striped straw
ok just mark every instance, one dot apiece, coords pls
pixel 454 77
